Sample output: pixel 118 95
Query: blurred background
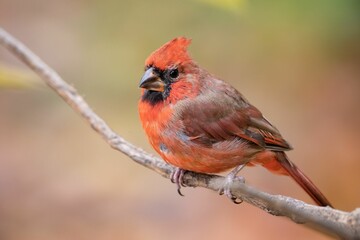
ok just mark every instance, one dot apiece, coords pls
pixel 297 61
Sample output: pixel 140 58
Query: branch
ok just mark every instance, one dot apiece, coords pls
pixel 334 222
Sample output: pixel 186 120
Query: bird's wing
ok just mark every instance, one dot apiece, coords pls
pixel 225 115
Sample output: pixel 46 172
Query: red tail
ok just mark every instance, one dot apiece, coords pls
pixel 302 180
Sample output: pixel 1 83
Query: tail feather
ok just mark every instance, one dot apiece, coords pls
pixel 302 180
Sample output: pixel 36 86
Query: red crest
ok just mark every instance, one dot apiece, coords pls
pixel 171 53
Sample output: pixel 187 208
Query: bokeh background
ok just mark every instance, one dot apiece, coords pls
pixel 297 61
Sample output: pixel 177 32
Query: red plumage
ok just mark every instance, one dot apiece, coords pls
pixel 199 123
pixel 172 53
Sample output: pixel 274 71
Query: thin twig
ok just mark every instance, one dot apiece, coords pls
pixel 334 222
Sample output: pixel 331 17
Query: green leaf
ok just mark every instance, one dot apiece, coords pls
pixel 230 5
pixel 11 77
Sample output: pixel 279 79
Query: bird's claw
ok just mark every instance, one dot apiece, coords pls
pixel 229 179
pixel 177 177
pixel 225 190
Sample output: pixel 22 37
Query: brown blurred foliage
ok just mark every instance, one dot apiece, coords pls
pixel 297 61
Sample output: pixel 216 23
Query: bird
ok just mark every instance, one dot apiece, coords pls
pixel 200 123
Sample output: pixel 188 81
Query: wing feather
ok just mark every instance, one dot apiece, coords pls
pixel 214 117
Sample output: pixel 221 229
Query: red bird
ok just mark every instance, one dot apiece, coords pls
pixel 200 123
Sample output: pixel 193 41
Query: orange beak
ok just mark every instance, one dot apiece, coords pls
pixel 152 81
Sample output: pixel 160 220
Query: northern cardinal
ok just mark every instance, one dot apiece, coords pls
pixel 200 123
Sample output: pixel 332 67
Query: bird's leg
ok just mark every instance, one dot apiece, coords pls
pixel 229 179
pixel 177 177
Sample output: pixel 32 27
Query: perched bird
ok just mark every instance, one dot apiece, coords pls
pixel 199 123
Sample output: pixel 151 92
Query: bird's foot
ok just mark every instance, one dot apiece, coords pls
pixel 227 191
pixel 177 178
pixel 228 181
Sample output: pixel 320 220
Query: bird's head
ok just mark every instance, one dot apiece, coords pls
pixel 166 69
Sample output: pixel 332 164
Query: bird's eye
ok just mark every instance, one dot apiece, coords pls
pixel 174 73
